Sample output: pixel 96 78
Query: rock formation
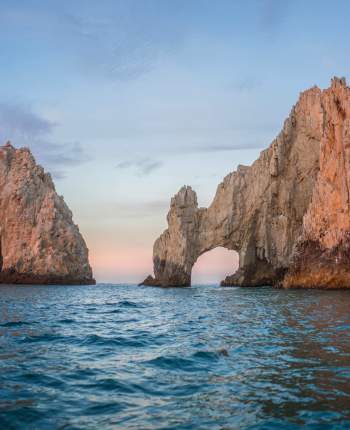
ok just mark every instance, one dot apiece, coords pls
pixel 322 252
pixel 287 215
pixel 39 243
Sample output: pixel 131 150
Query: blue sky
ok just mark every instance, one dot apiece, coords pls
pixel 126 101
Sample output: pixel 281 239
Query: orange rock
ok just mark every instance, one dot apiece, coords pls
pixel 39 243
pixel 287 215
pixel 322 257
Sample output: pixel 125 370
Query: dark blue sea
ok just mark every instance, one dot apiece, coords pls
pixel 205 357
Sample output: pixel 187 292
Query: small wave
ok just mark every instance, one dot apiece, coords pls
pixel 206 355
pixel 174 363
pixel 197 361
pixel 66 321
pixel 81 374
pixel 114 311
pixel 110 384
pixel 42 379
pixel 17 323
pixel 94 339
pixel 104 408
pixel 128 304
pixel 46 337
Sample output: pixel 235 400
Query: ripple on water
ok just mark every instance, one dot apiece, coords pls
pixel 177 363
pixel 97 340
pixel 66 321
pixel 129 304
pixel 18 323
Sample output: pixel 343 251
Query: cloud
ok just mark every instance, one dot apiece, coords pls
pixel 246 85
pixel 221 148
pixel 111 50
pixel 120 40
pixel 273 13
pixel 66 154
pixel 23 127
pixel 22 122
pixel 128 41
pixel 122 54
pixel 142 167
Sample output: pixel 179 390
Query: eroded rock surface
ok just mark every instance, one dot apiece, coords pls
pixel 287 215
pixel 322 255
pixel 39 243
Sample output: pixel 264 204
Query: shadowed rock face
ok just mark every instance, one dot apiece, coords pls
pixel 287 215
pixel 39 243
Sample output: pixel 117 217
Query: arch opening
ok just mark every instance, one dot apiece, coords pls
pixel 214 265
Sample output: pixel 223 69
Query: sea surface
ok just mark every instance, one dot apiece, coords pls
pixel 205 357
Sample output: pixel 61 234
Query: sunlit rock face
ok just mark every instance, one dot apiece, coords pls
pixel 287 215
pixel 40 244
pixel 322 255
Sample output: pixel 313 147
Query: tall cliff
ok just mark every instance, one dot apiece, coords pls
pixel 39 243
pixel 287 215
pixel 322 252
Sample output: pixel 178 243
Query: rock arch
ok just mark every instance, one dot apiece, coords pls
pixel 287 215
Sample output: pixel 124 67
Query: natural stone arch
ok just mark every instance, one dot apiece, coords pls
pixel 218 260
pixel 257 211
pixel 193 231
pixel 287 215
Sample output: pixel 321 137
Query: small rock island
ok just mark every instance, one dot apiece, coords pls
pixel 39 243
pixel 287 215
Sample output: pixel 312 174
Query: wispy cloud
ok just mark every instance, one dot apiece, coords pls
pixel 121 40
pixel 142 167
pixel 273 14
pixel 23 127
pixel 221 148
pixel 21 122
pixel 125 46
pixel 246 84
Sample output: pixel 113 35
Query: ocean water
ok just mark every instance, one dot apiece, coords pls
pixel 205 357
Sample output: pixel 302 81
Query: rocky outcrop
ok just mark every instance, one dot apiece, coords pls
pixel 322 254
pixel 39 243
pixel 287 215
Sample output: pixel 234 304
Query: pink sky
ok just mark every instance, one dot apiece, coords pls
pixel 134 264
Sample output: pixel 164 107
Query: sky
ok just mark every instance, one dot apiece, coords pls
pixel 125 101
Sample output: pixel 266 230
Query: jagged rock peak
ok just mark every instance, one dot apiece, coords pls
pixel 338 81
pixel 287 215
pixel 8 145
pixel 39 243
pixel 185 197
